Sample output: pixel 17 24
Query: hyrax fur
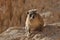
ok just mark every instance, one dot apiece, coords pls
pixel 33 21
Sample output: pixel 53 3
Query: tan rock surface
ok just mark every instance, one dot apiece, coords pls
pixel 50 32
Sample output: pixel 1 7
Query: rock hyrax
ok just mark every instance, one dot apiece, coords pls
pixel 33 21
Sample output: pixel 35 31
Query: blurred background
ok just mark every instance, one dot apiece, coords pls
pixel 13 12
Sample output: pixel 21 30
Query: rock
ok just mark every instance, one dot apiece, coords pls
pixel 49 32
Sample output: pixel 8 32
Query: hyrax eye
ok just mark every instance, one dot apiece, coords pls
pixel 30 15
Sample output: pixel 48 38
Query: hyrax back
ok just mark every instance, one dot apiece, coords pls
pixel 34 21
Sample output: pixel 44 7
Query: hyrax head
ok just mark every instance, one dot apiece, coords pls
pixel 32 13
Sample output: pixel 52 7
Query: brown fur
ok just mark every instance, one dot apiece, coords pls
pixel 34 23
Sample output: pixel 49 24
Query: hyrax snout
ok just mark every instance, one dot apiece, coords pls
pixel 33 21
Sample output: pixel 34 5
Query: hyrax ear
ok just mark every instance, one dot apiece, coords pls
pixel 27 12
